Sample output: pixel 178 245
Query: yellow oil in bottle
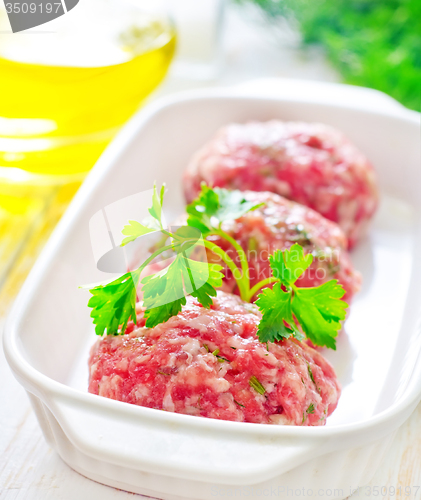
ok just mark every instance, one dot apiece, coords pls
pixel 65 90
pixel 64 95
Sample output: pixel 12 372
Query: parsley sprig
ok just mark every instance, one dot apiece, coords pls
pixel 164 292
pixel 287 310
pixel 318 310
pixel 208 212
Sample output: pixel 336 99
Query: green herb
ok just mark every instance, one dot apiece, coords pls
pixel 252 244
pixel 157 202
pixel 133 230
pixel 113 305
pixel 310 373
pixel 256 385
pixel 289 265
pixel 277 322
pixel 239 404
pixel 160 289
pixel 318 310
pixel 324 415
pixel 207 213
pixel 221 359
pixel 371 43
pixel 287 310
pixel 164 293
pixel 310 409
pixel 214 206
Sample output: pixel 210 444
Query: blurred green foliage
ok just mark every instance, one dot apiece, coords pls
pixel 374 43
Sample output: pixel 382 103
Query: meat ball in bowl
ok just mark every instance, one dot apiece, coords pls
pixel 310 163
pixel 210 363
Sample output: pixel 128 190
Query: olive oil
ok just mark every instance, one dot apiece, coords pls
pixel 66 88
pixel 64 95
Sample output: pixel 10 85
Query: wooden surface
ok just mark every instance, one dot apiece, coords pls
pixel 29 469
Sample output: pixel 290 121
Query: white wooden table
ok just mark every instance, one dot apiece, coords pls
pixel 30 470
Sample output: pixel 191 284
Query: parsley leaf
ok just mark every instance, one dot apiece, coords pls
pixel 162 313
pixel 276 307
pixel 320 311
pixel 216 205
pixel 185 238
pixel 133 230
pixel 289 265
pixel 204 293
pixel 113 304
pixel 164 292
pixel 233 205
pixel 202 209
pixel 157 201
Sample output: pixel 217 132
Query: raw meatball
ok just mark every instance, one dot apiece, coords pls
pixel 205 362
pixel 310 163
pixel 277 225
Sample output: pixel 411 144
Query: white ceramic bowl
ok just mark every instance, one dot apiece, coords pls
pixel 157 453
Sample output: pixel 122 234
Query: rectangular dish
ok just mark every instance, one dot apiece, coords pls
pixel 170 456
